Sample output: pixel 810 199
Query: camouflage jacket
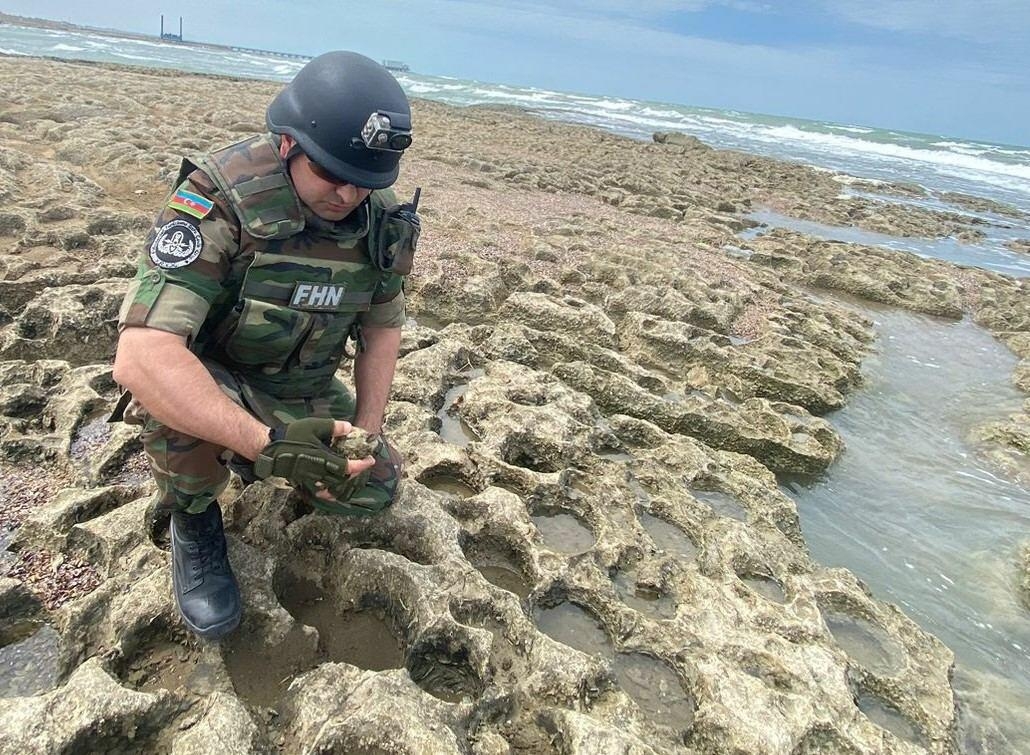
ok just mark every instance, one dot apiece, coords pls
pixel 253 279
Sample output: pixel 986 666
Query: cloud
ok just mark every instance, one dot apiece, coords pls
pixel 594 43
pixel 658 7
pixel 618 9
pixel 985 21
pixel 596 25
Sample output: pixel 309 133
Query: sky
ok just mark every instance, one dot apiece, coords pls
pixel 954 67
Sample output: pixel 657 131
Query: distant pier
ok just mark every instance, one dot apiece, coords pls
pixel 273 53
pixel 171 37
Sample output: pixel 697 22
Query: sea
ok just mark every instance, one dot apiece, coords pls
pixel 912 508
pixel 937 162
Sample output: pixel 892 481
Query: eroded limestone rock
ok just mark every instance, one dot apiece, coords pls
pixel 91 711
pixel 783 437
pixel 881 275
pixel 1007 443
pixel 604 561
pixel 74 323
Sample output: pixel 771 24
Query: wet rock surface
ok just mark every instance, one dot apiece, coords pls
pixel 1024 574
pixel 590 552
pixel 998 303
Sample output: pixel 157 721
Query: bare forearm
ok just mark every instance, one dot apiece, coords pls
pixel 373 375
pixel 177 390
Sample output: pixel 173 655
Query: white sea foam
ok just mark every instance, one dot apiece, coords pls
pixel 429 86
pixel 963 149
pixel 940 158
pixel 142 58
pixel 415 88
pixel 513 96
pixel 851 129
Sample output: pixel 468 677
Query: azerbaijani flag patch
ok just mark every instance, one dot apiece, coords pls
pixel 190 203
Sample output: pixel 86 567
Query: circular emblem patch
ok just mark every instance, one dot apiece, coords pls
pixel 177 244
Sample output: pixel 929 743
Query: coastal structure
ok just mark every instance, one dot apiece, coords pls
pixel 169 36
pixel 396 65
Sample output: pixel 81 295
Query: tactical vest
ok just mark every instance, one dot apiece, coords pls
pixel 296 286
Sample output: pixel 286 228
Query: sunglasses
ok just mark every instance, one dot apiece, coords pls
pixel 327 175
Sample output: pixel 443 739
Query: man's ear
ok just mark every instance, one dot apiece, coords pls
pixel 285 145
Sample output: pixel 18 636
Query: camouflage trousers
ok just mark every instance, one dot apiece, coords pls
pixel 190 473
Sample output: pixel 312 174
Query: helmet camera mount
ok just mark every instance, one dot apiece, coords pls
pixel 386 131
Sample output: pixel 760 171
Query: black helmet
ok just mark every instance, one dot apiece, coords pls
pixel 349 115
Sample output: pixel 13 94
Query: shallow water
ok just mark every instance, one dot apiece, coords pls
pixel 262 673
pixel 506 578
pixel 768 588
pixel 360 638
pixel 453 428
pixel 890 719
pixel 723 504
pixel 915 514
pixel 29 659
pixel 655 688
pixel 571 625
pixel 866 644
pixel 449 484
pixel 563 533
pixel 668 537
pixel 988 253
pixel 643 597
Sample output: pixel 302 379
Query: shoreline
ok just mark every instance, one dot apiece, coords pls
pixel 694 365
pixel 45 23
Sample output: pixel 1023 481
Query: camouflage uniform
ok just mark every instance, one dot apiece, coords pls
pixel 266 295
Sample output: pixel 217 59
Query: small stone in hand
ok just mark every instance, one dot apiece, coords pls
pixel 357 444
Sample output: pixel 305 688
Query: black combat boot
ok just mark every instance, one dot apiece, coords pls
pixel 202 580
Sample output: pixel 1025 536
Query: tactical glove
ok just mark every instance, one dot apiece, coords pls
pixel 300 453
pixel 377 488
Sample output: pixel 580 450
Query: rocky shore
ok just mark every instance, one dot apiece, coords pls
pixel 600 382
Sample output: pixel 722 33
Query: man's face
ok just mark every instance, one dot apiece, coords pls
pixel 327 198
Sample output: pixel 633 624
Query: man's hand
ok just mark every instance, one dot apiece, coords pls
pixel 300 453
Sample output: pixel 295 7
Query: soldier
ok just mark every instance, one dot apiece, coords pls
pixel 268 256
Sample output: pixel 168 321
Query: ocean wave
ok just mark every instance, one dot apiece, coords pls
pixel 850 129
pixel 962 149
pixel 514 96
pixel 137 42
pixel 61 47
pixel 419 87
pixel 611 107
pixel 951 145
pixel 413 88
pixel 148 59
pixel 945 159
pixel 637 124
